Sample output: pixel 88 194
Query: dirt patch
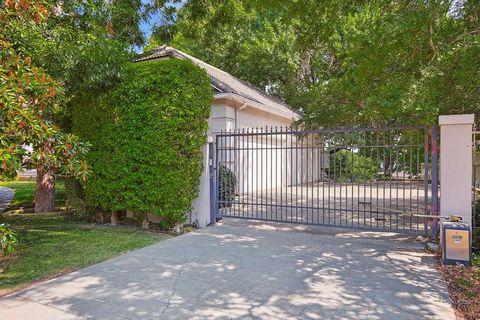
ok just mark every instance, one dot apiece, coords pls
pixel 464 288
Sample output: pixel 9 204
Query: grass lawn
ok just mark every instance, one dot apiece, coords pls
pixel 25 193
pixel 52 245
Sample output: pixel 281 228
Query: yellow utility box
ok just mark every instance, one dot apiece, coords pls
pixel 456 243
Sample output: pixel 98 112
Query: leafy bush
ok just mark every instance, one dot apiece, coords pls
pixel 8 239
pixel 476 238
pixel 75 193
pixel 476 226
pixel 476 209
pixel 347 166
pixel 146 137
pixel 226 186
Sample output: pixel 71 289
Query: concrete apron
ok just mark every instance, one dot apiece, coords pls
pixel 253 270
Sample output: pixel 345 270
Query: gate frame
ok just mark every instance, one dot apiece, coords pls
pixel 430 150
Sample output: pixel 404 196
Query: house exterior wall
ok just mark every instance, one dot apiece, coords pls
pixel 228 116
pixel 263 162
pixel 258 164
pixel 200 214
pixel 222 118
pixel 272 161
pixel 253 118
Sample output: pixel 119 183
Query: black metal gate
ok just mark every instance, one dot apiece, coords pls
pixel 372 178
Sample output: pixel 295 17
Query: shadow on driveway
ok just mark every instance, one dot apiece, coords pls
pixel 242 269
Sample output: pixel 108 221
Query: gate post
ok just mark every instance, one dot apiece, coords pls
pixel 212 162
pixel 435 222
pixel 456 171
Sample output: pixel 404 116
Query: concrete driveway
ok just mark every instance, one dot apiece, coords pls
pixel 249 270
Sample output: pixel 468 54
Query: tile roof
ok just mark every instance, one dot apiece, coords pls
pixel 222 81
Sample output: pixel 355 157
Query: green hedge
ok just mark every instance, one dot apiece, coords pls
pixel 146 137
pixel 75 196
pixel 347 166
pixel 226 186
pixel 476 227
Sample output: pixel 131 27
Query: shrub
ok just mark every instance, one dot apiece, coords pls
pixel 347 166
pixel 75 193
pixel 8 239
pixel 476 226
pixel 476 238
pixel 146 137
pixel 476 212
pixel 226 186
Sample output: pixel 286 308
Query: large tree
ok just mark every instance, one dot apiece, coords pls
pixel 345 62
pixel 51 51
pixel 28 100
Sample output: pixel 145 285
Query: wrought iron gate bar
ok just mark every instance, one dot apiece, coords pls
pixel 303 148
pixel 350 177
pixel 269 131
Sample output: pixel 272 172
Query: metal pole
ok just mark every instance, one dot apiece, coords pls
pixel 434 182
pixel 425 178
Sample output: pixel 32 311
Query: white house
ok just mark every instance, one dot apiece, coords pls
pixel 238 105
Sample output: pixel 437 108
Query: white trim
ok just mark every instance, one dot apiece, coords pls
pixel 286 113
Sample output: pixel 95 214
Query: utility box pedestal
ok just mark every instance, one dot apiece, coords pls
pixel 456 243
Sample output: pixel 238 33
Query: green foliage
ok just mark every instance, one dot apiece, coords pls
pixel 8 239
pixel 476 211
pixel 256 46
pixel 147 135
pixel 476 239
pixel 75 193
pixel 462 282
pixel 83 43
pixel 29 100
pixel 226 186
pixel 476 227
pixel 348 166
pixel 476 262
pixel 371 63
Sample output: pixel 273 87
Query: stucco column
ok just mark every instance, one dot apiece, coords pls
pixel 201 205
pixel 456 171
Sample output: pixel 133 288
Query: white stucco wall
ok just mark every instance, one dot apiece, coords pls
pixel 272 161
pixel 222 118
pixel 252 118
pixel 263 162
pixel 226 117
pixel 200 214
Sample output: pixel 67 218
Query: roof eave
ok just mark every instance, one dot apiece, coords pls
pixel 286 113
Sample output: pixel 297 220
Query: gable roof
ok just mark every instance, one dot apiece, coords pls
pixel 222 82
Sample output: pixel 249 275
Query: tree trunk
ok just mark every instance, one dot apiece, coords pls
pixel 387 168
pixel 45 191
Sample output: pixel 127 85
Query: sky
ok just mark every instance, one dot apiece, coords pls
pixel 146 26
